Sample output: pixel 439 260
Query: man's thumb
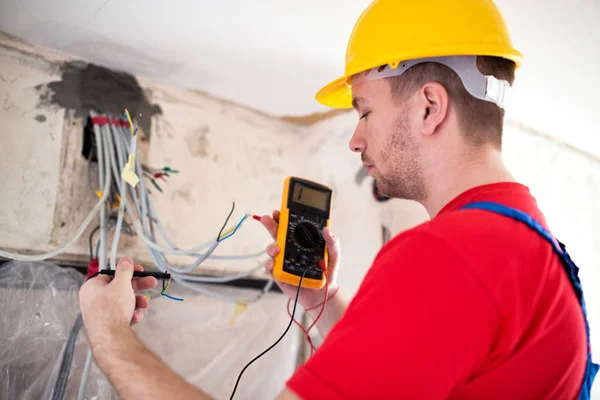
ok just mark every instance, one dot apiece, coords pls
pixel 332 242
pixel 124 270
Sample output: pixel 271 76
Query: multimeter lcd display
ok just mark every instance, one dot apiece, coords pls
pixel 310 197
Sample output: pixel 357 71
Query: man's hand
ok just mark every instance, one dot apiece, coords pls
pixel 308 298
pixel 110 304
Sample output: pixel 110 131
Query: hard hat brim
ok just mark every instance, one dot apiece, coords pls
pixel 338 93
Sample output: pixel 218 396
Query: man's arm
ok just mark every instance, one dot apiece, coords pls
pixel 136 373
pixel 133 370
pixel 334 311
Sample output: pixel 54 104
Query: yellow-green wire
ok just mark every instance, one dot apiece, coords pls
pixel 130 122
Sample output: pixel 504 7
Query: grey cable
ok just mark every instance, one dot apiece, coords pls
pixel 67 360
pixel 103 180
pixel 84 376
pixel 102 158
pixel 122 205
pixel 78 233
pixel 224 279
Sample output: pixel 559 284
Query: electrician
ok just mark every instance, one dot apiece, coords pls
pixel 479 302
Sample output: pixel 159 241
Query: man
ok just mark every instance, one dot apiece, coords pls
pixel 471 304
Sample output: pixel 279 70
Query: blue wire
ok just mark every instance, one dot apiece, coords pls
pixel 235 230
pixel 172 298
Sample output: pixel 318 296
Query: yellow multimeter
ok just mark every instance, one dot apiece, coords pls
pixel 305 211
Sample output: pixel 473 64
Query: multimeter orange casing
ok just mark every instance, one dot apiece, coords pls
pixel 291 212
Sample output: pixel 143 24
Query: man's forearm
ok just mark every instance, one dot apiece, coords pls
pixel 136 373
pixel 334 311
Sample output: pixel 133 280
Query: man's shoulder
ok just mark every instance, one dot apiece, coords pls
pixel 471 239
pixel 452 227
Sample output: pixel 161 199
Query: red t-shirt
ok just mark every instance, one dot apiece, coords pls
pixel 469 305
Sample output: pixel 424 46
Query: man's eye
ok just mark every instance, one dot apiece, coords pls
pixel 365 115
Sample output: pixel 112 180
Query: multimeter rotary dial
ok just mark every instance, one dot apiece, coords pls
pixel 306 235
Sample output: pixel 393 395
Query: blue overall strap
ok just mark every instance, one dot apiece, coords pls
pixel 572 272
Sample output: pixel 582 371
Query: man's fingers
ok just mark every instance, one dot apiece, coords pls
pixel 331 240
pixel 148 282
pixel 270 224
pixel 138 316
pixel 333 246
pixel 269 264
pixel 138 268
pixel 273 250
pixel 276 216
pixel 124 270
pixel 141 301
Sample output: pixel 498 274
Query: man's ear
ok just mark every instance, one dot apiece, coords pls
pixel 434 100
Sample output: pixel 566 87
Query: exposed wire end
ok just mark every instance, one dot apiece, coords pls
pixel 130 122
pixel 231 232
pixel 164 289
pixel 226 221
pixel 156 186
pixel 171 297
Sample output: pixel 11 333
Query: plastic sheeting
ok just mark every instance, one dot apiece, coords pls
pixel 38 308
pixel 39 305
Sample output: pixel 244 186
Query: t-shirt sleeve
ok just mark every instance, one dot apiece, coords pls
pixel 421 322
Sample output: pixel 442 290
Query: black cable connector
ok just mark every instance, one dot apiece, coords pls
pixel 136 274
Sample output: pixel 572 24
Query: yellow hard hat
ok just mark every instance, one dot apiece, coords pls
pixel 391 31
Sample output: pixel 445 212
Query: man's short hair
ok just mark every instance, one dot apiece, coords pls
pixel 481 121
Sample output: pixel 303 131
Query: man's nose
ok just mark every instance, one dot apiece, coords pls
pixel 357 142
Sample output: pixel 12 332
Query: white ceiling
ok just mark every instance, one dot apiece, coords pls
pixel 273 55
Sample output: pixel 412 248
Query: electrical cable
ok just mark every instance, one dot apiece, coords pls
pixel 78 233
pixel 323 304
pixel 306 331
pixel 96 229
pixel 171 297
pixel 234 230
pixel 103 178
pixel 123 202
pixel 220 279
pixel 277 341
pixel 324 269
pixel 67 360
pixel 84 377
pixel 226 220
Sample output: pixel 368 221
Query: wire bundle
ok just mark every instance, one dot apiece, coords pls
pixel 120 144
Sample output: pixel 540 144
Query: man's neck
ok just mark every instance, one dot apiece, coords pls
pixel 466 172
